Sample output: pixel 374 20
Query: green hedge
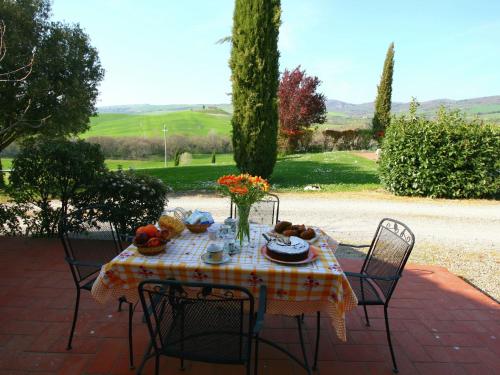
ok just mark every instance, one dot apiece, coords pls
pixel 448 157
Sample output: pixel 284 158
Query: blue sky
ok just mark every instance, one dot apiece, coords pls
pixel 164 52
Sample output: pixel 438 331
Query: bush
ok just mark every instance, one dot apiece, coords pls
pixel 130 200
pixel 449 157
pixel 213 157
pixel 341 140
pixel 46 170
pixel 11 220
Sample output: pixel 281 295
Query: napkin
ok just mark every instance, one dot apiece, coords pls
pixel 200 217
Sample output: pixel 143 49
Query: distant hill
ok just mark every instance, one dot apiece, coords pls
pixel 149 108
pixel 199 119
pixel 151 124
pixel 481 106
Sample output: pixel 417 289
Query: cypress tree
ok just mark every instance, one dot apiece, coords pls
pixel 254 65
pixel 382 115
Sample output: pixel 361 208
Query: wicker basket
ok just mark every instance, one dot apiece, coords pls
pixel 174 225
pixel 197 228
pixel 144 250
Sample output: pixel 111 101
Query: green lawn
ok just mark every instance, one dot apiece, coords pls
pixel 151 124
pixel 333 171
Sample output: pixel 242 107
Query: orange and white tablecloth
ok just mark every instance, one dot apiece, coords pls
pixel 292 290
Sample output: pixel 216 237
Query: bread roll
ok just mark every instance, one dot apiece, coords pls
pixel 282 226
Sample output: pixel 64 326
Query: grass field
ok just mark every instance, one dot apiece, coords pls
pixel 151 125
pixel 333 171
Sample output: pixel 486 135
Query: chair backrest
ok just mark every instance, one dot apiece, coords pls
pixel 390 249
pixel 87 238
pixel 265 211
pixel 199 321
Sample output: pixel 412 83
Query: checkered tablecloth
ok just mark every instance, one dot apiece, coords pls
pixel 292 290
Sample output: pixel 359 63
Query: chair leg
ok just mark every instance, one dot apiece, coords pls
pixel 130 337
pixel 182 365
pixel 256 359
pixel 366 316
pixel 395 366
pixel 318 328
pixel 306 362
pixel 120 301
pixel 75 317
pixel 157 364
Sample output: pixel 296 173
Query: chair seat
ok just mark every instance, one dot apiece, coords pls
pixel 371 296
pixel 202 338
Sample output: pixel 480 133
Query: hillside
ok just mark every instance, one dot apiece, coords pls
pixel 151 124
pixel 488 105
pixel 198 119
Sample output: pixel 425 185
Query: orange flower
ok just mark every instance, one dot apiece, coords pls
pixel 226 180
pixel 241 190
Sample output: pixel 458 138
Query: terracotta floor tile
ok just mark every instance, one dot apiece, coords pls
pixel 440 325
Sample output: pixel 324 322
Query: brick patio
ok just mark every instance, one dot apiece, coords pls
pixel 441 325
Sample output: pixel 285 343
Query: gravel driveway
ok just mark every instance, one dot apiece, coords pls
pixel 463 236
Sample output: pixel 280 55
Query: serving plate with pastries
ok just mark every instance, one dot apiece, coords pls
pixel 287 229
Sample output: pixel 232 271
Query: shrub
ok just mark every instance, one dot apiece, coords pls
pixel 213 157
pixel 129 199
pixel 356 139
pixel 46 170
pixel 177 158
pixel 449 157
pixel 11 220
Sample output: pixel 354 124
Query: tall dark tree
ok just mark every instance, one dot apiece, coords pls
pixel 59 94
pixel 382 115
pixel 254 64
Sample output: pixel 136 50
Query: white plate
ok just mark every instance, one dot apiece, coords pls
pixel 204 257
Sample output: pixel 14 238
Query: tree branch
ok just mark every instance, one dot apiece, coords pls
pixel 5 77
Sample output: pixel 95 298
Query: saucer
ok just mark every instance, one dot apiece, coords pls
pixel 226 258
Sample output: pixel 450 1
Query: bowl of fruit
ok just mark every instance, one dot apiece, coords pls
pixel 149 240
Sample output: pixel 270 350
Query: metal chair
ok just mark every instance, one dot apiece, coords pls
pixel 202 322
pixel 382 268
pixel 89 243
pixel 265 211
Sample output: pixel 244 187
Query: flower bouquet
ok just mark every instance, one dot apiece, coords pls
pixel 244 190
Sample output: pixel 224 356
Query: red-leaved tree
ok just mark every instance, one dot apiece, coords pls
pixel 299 107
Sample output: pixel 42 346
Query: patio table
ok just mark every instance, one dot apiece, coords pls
pixel 292 290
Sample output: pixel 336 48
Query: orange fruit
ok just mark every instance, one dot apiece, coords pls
pixel 151 231
pixel 153 242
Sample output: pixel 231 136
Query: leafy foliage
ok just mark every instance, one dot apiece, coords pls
pixel 59 95
pixel 449 157
pixel 300 105
pixel 46 170
pixel 382 115
pixel 254 65
pixel 129 200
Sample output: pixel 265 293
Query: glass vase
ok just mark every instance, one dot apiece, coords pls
pixel 243 228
